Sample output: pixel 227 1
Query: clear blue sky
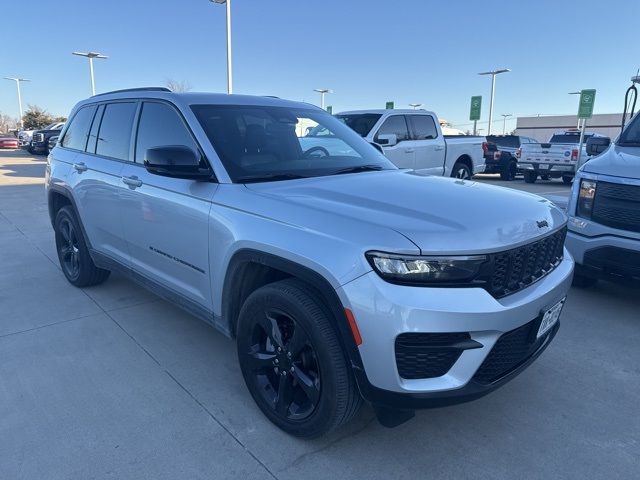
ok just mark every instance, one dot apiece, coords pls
pixel 368 51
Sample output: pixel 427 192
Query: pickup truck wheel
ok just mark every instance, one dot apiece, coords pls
pixel 461 171
pixel 73 254
pixel 544 177
pixel 509 171
pixel 530 177
pixel 292 361
pixel 567 179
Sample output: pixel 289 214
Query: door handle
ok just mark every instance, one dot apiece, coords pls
pixel 80 167
pixel 439 148
pixel 409 150
pixel 133 182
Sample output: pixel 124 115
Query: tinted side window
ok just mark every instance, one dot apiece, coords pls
pixel 93 133
pixel 114 137
pixel 161 125
pixel 395 124
pixel 76 135
pixel 424 128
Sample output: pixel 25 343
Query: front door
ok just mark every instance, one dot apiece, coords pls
pixel 166 220
pixel 403 153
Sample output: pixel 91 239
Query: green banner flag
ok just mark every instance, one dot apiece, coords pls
pixel 587 99
pixel 476 106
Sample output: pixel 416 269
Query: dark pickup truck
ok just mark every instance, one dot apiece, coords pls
pixel 40 138
pixel 501 154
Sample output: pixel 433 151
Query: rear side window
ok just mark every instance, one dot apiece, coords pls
pixel 114 137
pixel 424 128
pixel 394 124
pixel 160 125
pixel 76 135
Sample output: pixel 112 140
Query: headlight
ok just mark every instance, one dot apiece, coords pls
pixel 586 196
pixel 414 269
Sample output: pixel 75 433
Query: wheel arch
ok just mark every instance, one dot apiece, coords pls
pixel 466 160
pixel 251 269
pixel 58 197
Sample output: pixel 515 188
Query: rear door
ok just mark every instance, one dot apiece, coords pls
pixel 428 143
pixel 166 219
pixel 403 153
pixel 101 150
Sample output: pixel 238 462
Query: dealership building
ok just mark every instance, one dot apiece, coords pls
pixel 542 127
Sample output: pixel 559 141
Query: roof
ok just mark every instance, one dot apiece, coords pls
pixel 382 111
pixel 194 98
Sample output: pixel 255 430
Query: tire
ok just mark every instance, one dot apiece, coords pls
pixel 73 254
pixel 544 177
pixel 567 179
pixel 530 177
pixel 462 171
pixel 509 171
pixel 285 340
pixel 583 281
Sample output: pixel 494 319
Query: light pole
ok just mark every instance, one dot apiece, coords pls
pixel 415 105
pixel 493 74
pixel 576 93
pixel 91 56
pixel 504 121
pixel 18 80
pixel 322 92
pixel 229 69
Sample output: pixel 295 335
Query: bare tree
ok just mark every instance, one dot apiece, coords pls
pixel 177 85
pixel 7 123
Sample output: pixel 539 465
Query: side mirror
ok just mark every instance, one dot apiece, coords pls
pixel 175 161
pixel 597 145
pixel 387 140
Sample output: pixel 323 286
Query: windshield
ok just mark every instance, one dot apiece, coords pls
pixel 361 123
pixel 631 134
pixel 569 138
pixel 260 143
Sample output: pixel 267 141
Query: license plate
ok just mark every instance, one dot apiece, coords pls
pixel 543 167
pixel 550 318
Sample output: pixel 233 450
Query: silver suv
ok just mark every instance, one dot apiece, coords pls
pixel 340 276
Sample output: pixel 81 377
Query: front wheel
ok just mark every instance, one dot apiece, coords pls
pixel 567 179
pixel 292 361
pixel 530 177
pixel 461 171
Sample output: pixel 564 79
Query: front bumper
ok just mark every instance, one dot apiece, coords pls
pixel 605 255
pixel 384 311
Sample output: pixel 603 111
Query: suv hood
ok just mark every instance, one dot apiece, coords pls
pixel 616 161
pixel 439 215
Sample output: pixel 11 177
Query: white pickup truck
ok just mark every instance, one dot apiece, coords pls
pixel 413 139
pixel 554 159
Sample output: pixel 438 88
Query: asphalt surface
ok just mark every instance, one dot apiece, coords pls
pixel 112 382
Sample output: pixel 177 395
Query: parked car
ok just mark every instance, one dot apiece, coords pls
pixel 24 138
pixel 501 154
pixel 413 139
pixel 604 209
pixel 556 159
pixel 9 142
pixel 340 276
pixel 40 138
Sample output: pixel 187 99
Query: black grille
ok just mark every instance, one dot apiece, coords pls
pixel 617 206
pixel 516 269
pixel 614 260
pixel 511 350
pixel 429 355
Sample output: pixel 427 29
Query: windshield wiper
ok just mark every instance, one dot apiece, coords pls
pixel 359 168
pixel 268 177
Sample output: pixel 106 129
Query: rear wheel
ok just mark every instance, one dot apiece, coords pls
pixel 530 177
pixel 509 171
pixel 567 179
pixel 461 170
pixel 292 361
pixel 73 254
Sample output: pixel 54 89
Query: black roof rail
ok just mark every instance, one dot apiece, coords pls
pixel 270 96
pixel 139 89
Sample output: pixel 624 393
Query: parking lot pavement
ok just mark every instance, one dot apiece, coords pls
pixel 112 382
